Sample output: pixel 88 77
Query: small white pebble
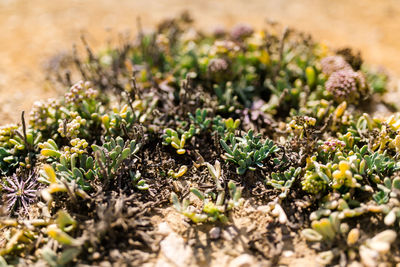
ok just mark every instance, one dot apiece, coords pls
pixel 164 229
pixel 215 233
pixel 287 253
pixel 244 260
pixel 264 208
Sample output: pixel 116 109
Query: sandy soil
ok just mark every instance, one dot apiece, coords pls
pixel 32 31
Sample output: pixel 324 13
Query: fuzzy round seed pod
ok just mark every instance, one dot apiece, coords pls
pixel 332 64
pixel 241 31
pixel 347 85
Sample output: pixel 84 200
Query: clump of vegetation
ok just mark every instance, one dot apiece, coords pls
pixel 283 114
pixel 19 191
pixel 247 151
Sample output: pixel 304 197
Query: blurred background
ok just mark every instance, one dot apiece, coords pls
pixel 33 31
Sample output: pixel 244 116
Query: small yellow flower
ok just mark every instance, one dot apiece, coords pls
pixel 340 109
pixel 344 170
pixel 396 143
pixel 264 58
pixel 393 122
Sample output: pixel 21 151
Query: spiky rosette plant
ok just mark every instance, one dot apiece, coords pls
pixel 19 192
pixel 248 151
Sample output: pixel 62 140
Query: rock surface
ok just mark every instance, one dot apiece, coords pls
pixel 174 249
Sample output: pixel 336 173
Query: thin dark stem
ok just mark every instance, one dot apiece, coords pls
pixel 24 130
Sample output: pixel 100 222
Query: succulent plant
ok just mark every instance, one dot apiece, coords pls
pixel 137 180
pixel 225 126
pixel 284 180
pixel 110 156
pixel 125 117
pixel 213 207
pixel 58 184
pixel 182 170
pixel 7 161
pixel 216 173
pixel 200 120
pixel 139 111
pixel 379 165
pixel 248 151
pixel 324 229
pixel 389 188
pixel 73 163
pixel 18 147
pixel 171 137
pixel 227 100
pixel 375 247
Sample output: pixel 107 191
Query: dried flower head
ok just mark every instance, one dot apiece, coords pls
pixel 219 32
pixel 218 65
pixel 332 64
pixel 42 113
pixel 301 123
pixel 224 47
pixel 352 57
pixel 79 91
pixel 347 85
pixel 72 128
pixel 256 113
pixel 332 144
pixel 19 192
pixel 218 69
pixel 241 31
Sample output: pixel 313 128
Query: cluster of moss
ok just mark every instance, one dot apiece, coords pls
pixel 275 106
